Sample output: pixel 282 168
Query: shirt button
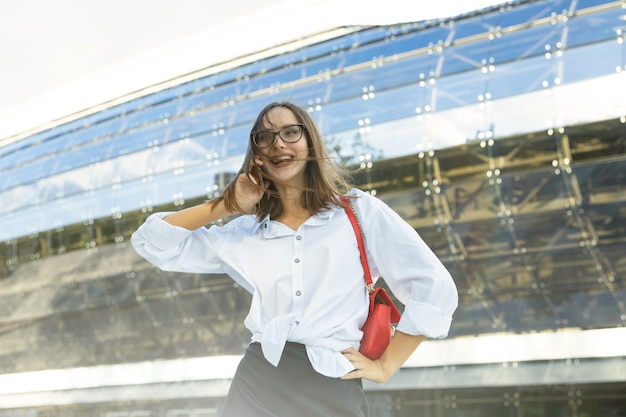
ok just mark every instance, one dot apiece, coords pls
pixel 297 260
pixel 298 237
pixel 298 293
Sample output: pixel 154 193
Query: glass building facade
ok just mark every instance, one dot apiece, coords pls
pixel 498 135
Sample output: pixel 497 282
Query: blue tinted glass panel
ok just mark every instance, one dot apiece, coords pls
pixel 522 44
pixel 585 4
pixel 475 25
pixel 605 57
pixel 183 89
pixel 408 70
pixel 458 90
pixel 342 115
pixel 210 119
pixel 531 11
pixel 385 106
pixel 99 177
pixel 274 78
pixel 154 113
pixel 59 143
pixel 465 57
pixel 98 130
pixel 306 95
pixel 12 159
pixel 398 44
pixel 20 157
pixel 216 79
pixel 348 85
pixel 11 148
pixel 364 37
pixel 512 78
pixel 511 46
pixel 204 98
pixel 509 16
pixel 234 141
pixel 594 27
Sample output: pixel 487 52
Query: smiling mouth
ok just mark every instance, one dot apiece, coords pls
pixel 281 160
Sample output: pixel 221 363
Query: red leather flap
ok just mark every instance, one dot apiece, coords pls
pixel 380 296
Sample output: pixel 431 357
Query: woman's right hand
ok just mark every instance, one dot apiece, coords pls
pixel 247 193
pixel 249 188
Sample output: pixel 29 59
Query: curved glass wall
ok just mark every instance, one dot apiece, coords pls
pixel 383 92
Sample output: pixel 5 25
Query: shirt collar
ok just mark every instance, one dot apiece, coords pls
pixel 322 217
pixel 264 224
pixel 318 219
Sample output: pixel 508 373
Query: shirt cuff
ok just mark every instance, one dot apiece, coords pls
pixel 161 234
pixel 423 319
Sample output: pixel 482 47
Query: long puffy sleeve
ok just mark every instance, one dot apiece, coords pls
pixel 174 248
pixel 409 267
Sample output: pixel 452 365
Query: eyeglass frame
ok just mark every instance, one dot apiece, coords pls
pixel 275 133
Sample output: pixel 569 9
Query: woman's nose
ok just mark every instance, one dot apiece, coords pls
pixel 278 141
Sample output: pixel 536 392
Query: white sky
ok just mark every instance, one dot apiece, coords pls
pixel 59 57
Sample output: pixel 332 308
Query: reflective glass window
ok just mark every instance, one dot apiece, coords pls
pixel 511 79
pixel 508 16
pixel 593 27
pixel 417 68
pixel 581 5
pixel 605 56
pixel 458 90
pixel 528 12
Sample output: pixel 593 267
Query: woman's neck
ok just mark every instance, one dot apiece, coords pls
pixel 290 196
pixel 293 213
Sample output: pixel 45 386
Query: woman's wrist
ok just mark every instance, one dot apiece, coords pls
pixel 217 210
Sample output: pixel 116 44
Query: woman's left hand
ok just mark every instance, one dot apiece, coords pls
pixel 380 370
pixel 373 370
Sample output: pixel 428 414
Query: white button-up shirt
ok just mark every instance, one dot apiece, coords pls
pixel 307 285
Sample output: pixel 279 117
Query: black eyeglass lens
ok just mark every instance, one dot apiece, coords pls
pixel 290 134
pixel 263 139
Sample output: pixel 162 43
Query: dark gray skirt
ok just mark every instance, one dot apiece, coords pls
pixel 293 389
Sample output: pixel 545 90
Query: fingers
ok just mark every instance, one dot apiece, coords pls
pixel 353 356
pixel 256 169
pixel 352 375
pixel 364 367
pixel 256 165
pixel 254 174
pixel 356 359
pixel 250 185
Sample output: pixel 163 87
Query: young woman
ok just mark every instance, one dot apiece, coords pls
pixel 294 249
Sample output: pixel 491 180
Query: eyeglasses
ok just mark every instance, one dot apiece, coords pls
pixel 289 134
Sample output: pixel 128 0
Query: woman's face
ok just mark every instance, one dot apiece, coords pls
pixel 284 162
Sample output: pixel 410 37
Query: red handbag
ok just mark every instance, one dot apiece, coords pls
pixel 378 328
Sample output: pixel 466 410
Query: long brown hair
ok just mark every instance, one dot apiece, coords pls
pixel 324 179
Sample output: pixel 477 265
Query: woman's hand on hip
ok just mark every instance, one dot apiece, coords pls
pixel 373 370
pixel 380 370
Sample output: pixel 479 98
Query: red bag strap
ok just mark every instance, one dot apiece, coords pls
pixel 359 238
